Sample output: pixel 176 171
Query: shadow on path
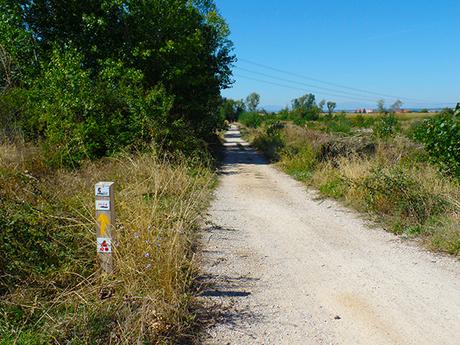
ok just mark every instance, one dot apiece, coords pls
pixel 237 151
pixel 219 291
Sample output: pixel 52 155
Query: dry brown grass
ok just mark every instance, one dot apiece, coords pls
pixel 390 179
pixel 399 116
pixel 158 205
pixel 355 169
pixel 296 136
pixel 344 180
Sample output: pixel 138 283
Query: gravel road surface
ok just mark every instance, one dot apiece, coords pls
pixel 282 267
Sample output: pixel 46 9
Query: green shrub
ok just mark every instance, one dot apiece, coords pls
pixel 393 192
pixel 334 187
pixel 269 140
pixel 441 137
pixel 338 123
pixel 362 121
pixel 251 119
pixel 274 128
pixel 386 126
pixel 12 103
pixel 300 163
pixel 297 120
pixel 32 242
pixel 269 145
pixel 305 114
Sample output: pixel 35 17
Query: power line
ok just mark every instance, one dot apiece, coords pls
pixel 331 94
pixel 301 89
pixel 329 83
pixel 305 84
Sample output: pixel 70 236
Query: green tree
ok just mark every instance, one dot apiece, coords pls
pixel 321 105
pixel 331 107
pixel 232 109
pixel 305 102
pixel 381 106
pixel 17 50
pixel 305 107
pixel 252 102
pixel 187 55
pixel 396 106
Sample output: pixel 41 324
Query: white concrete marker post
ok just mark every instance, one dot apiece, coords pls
pixel 105 220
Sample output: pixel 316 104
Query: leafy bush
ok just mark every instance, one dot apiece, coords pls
pixel 251 119
pixel 338 123
pixel 441 137
pixel 362 121
pixel 269 141
pixel 274 128
pixel 297 118
pixel 299 162
pixel 311 115
pixel 386 126
pixel 305 114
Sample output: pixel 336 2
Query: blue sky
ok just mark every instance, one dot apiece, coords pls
pixel 387 49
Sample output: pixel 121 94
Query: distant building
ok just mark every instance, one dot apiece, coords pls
pixel 364 111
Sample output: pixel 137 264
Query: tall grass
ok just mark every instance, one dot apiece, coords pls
pixel 51 289
pixel 388 178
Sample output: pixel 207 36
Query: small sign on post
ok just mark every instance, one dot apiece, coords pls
pixel 105 220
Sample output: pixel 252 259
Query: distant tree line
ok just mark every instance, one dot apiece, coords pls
pixel 304 107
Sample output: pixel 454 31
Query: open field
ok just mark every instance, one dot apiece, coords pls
pixel 399 116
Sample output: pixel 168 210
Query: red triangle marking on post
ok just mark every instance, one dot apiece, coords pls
pixel 104 246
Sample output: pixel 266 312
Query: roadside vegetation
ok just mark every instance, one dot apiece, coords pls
pixel 400 169
pixel 50 285
pixel 120 91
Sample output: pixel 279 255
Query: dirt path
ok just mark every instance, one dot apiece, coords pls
pixel 285 268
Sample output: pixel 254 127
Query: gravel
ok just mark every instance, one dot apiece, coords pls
pixel 281 266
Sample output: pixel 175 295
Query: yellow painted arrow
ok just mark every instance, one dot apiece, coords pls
pixel 104 221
